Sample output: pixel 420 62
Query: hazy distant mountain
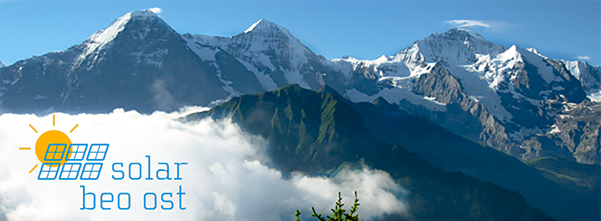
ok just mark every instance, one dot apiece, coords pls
pixel 589 77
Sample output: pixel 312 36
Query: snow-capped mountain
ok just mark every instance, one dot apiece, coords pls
pixel 272 49
pixel 2 64
pixel 483 68
pixel 501 97
pixel 509 98
pixel 589 77
pixel 271 54
pixel 137 62
pixel 266 49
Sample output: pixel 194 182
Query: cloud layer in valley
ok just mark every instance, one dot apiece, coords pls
pixel 226 177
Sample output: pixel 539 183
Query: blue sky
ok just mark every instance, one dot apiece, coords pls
pixel 365 30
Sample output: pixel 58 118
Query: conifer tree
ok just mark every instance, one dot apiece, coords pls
pixel 338 213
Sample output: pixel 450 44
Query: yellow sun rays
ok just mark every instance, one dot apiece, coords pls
pixel 53 124
pixel 33 128
pixel 73 128
pixel 33 168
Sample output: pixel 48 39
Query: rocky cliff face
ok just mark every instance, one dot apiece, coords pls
pixel 575 133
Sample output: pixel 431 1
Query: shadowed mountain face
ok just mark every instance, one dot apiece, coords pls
pixel 568 182
pixel 317 133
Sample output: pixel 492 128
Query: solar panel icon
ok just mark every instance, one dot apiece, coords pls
pixel 97 152
pixel 91 171
pixel 70 171
pixel 66 161
pixel 55 152
pixel 48 171
pixel 76 152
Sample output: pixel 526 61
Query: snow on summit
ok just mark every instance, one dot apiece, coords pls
pixel 456 46
pixel 103 37
pixel 480 66
pixel 265 49
pixel 265 25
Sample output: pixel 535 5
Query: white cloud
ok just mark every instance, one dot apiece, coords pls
pixel 497 26
pixel 156 10
pixel 468 23
pixel 583 57
pixel 226 177
pixel 376 190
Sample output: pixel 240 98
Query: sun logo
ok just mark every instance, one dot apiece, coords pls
pixel 51 146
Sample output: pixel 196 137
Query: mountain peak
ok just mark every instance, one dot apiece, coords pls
pixel 265 25
pixel 104 37
pixel 465 31
pixel 147 13
pixel 460 34
pixel 455 46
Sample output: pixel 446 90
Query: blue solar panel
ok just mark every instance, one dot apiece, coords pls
pixel 48 171
pixel 97 152
pixel 55 152
pixel 70 171
pixel 76 152
pixel 91 171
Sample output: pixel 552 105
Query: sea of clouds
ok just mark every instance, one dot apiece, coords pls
pixel 226 177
